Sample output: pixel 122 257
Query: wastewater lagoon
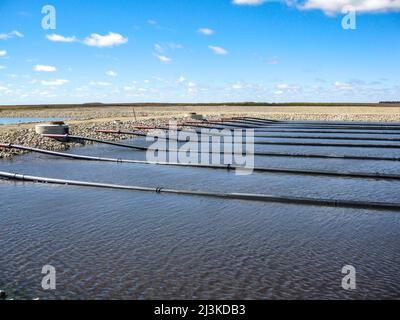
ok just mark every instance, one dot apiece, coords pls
pixel 110 244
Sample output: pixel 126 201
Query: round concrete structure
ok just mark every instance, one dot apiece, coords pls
pixel 49 128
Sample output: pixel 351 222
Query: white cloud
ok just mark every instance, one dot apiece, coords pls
pixel 12 34
pixel 248 2
pixel 273 60
pixel 111 73
pixel 237 86
pixel 206 31
pixel 3 88
pixel 3 67
pixel 164 59
pixel 59 38
pixel 158 47
pixel 335 6
pixel 168 46
pixel 330 7
pixel 110 40
pixel 342 86
pixel 153 22
pixel 43 68
pixel 57 82
pixel 181 79
pixel 3 53
pixel 286 88
pixel 100 83
pixel 94 40
pixel 175 46
pixel 240 86
pixel 218 50
pixel 282 86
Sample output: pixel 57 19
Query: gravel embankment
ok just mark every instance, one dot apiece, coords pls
pixel 28 137
pixel 366 117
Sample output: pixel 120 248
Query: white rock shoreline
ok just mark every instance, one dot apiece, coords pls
pixel 26 135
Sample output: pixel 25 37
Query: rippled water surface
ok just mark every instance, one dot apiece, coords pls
pixel 108 244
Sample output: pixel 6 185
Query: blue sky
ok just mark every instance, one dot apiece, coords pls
pixel 199 51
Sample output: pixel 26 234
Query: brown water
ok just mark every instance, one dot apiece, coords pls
pixel 108 244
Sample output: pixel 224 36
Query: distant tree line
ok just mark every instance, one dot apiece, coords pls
pixel 232 104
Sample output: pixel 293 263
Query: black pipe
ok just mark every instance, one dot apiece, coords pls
pixel 308 126
pixel 328 131
pixel 298 130
pixel 288 126
pixel 206 166
pixel 66 138
pixel 278 143
pixel 328 123
pixel 394 126
pixel 238 124
pixel 257 119
pixel 232 196
pixel 134 133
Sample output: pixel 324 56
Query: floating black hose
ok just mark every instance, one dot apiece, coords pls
pixel 295 130
pixel 256 119
pixel 134 133
pixel 68 138
pixel 298 126
pixel 328 131
pixel 279 143
pixel 228 167
pixel 265 154
pixel 349 125
pixel 327 123
pixel 233 196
